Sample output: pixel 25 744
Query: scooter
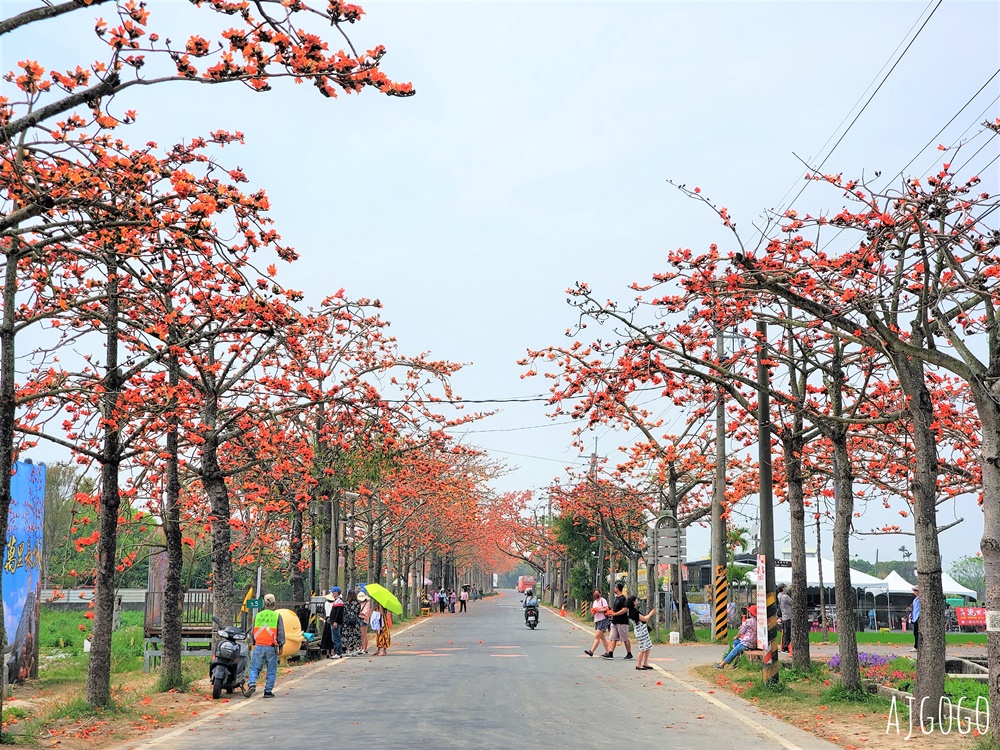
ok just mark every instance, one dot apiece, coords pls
pixel 231 661
pixel 531 616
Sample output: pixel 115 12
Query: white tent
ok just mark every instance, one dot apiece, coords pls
pixel 954 588
pixel 859 580
pixel 897 584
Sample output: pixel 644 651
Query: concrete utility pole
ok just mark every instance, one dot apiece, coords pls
pixel 766 506
pixel 720 631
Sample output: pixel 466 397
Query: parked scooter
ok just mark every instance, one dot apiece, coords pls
pixel 231 662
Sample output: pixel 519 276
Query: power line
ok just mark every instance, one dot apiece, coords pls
pixel 865 106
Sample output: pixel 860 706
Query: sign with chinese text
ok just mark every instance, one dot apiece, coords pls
pixel 971 616
pixel 22 581
pixel 762 642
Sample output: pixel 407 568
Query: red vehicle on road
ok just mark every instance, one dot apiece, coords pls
pixel 525 582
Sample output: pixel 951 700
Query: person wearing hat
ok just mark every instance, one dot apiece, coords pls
pixel 332 644
pixel 745 639
pixel 268 638
pixel 915 618
pixel 366 616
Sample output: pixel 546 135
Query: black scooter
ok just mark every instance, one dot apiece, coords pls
pixel 231 662
pixel 531 616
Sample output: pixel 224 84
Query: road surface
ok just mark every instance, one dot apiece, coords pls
pixel 484 680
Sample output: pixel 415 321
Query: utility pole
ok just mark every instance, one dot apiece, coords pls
pixel 766 507
pixel 720 632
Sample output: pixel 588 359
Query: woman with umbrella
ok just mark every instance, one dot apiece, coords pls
pixel 382 625
pixel 381 622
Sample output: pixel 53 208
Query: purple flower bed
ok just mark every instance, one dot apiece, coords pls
pixel 864 660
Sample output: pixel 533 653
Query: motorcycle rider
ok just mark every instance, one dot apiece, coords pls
pixel 530 601
pixel 268 638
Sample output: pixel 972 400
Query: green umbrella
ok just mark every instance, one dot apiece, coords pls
pixel 384 597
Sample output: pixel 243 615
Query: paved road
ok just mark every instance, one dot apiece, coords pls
pixel 484 680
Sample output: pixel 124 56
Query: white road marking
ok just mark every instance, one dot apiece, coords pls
pixel 247 702
pixel 711 699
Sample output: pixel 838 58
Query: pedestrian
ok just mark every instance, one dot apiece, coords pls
pixel 619 623
pixel 785 606
pixel 915 617
pixel 351 627
pixel 452 598
pixel 366 615
pixel 463 600
pixel 382 625
pixel 599 609
pixel 442 600
pixel 641 629
pixel 268 638
pixel 332 644
pixel 745 639
pixel 872 624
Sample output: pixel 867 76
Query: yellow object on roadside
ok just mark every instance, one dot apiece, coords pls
pixel 293 633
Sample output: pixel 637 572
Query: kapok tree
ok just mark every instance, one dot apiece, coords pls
pixel 920 284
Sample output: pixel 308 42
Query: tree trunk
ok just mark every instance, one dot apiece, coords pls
pixel 212 479
pixel 989 415
pixel 295 577
pixel 321 535
pixel 99 671
pixel 793 476
pixel 847 636
pixel 928 687
pixel 172 611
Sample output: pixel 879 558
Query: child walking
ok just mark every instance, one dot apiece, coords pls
pixel 641 630
pixel 381 623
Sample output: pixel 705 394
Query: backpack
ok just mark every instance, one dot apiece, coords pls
pixel 351 617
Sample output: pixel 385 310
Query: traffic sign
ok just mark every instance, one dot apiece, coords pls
pixel 254 604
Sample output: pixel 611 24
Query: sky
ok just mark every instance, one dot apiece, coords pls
pixel 536 154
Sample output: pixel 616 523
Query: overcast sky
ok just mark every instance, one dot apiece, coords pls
pixel 536 151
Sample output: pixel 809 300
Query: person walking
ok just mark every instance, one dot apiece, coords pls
pixel 268 638
pixel 366 616
pixel 641 630
pixel 785 606
pixel 442 600
pixel 599 609
pixel 452 598
pixel 351 627
pixel 872 624
pixel 915 618
pixel 382 625
pixel 463 600
pixel 745 639
pixel 619 623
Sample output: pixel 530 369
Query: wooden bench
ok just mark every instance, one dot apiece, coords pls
pixel 757 654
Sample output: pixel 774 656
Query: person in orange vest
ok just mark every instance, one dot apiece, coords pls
pixel 268 638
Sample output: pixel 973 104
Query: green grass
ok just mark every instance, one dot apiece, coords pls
pixel 901 638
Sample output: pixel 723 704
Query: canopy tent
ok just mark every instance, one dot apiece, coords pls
pixel 859 580
pixel 899 585
pixel 896 584
pixel 954 588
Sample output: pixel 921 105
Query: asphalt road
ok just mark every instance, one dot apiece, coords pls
pixel 484 680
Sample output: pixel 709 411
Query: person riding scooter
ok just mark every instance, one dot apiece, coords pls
pixel 530 601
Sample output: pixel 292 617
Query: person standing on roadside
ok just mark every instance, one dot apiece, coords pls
pixel 366 616
pixel 599 608
pixel 268 638
pixel 915 618
pixel 335 620
pixel 641 629
pixel 619 624
pixel 463 600
pixel 785 606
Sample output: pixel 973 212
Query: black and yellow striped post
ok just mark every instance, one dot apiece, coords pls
pixel 771 656
pixel 721 631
